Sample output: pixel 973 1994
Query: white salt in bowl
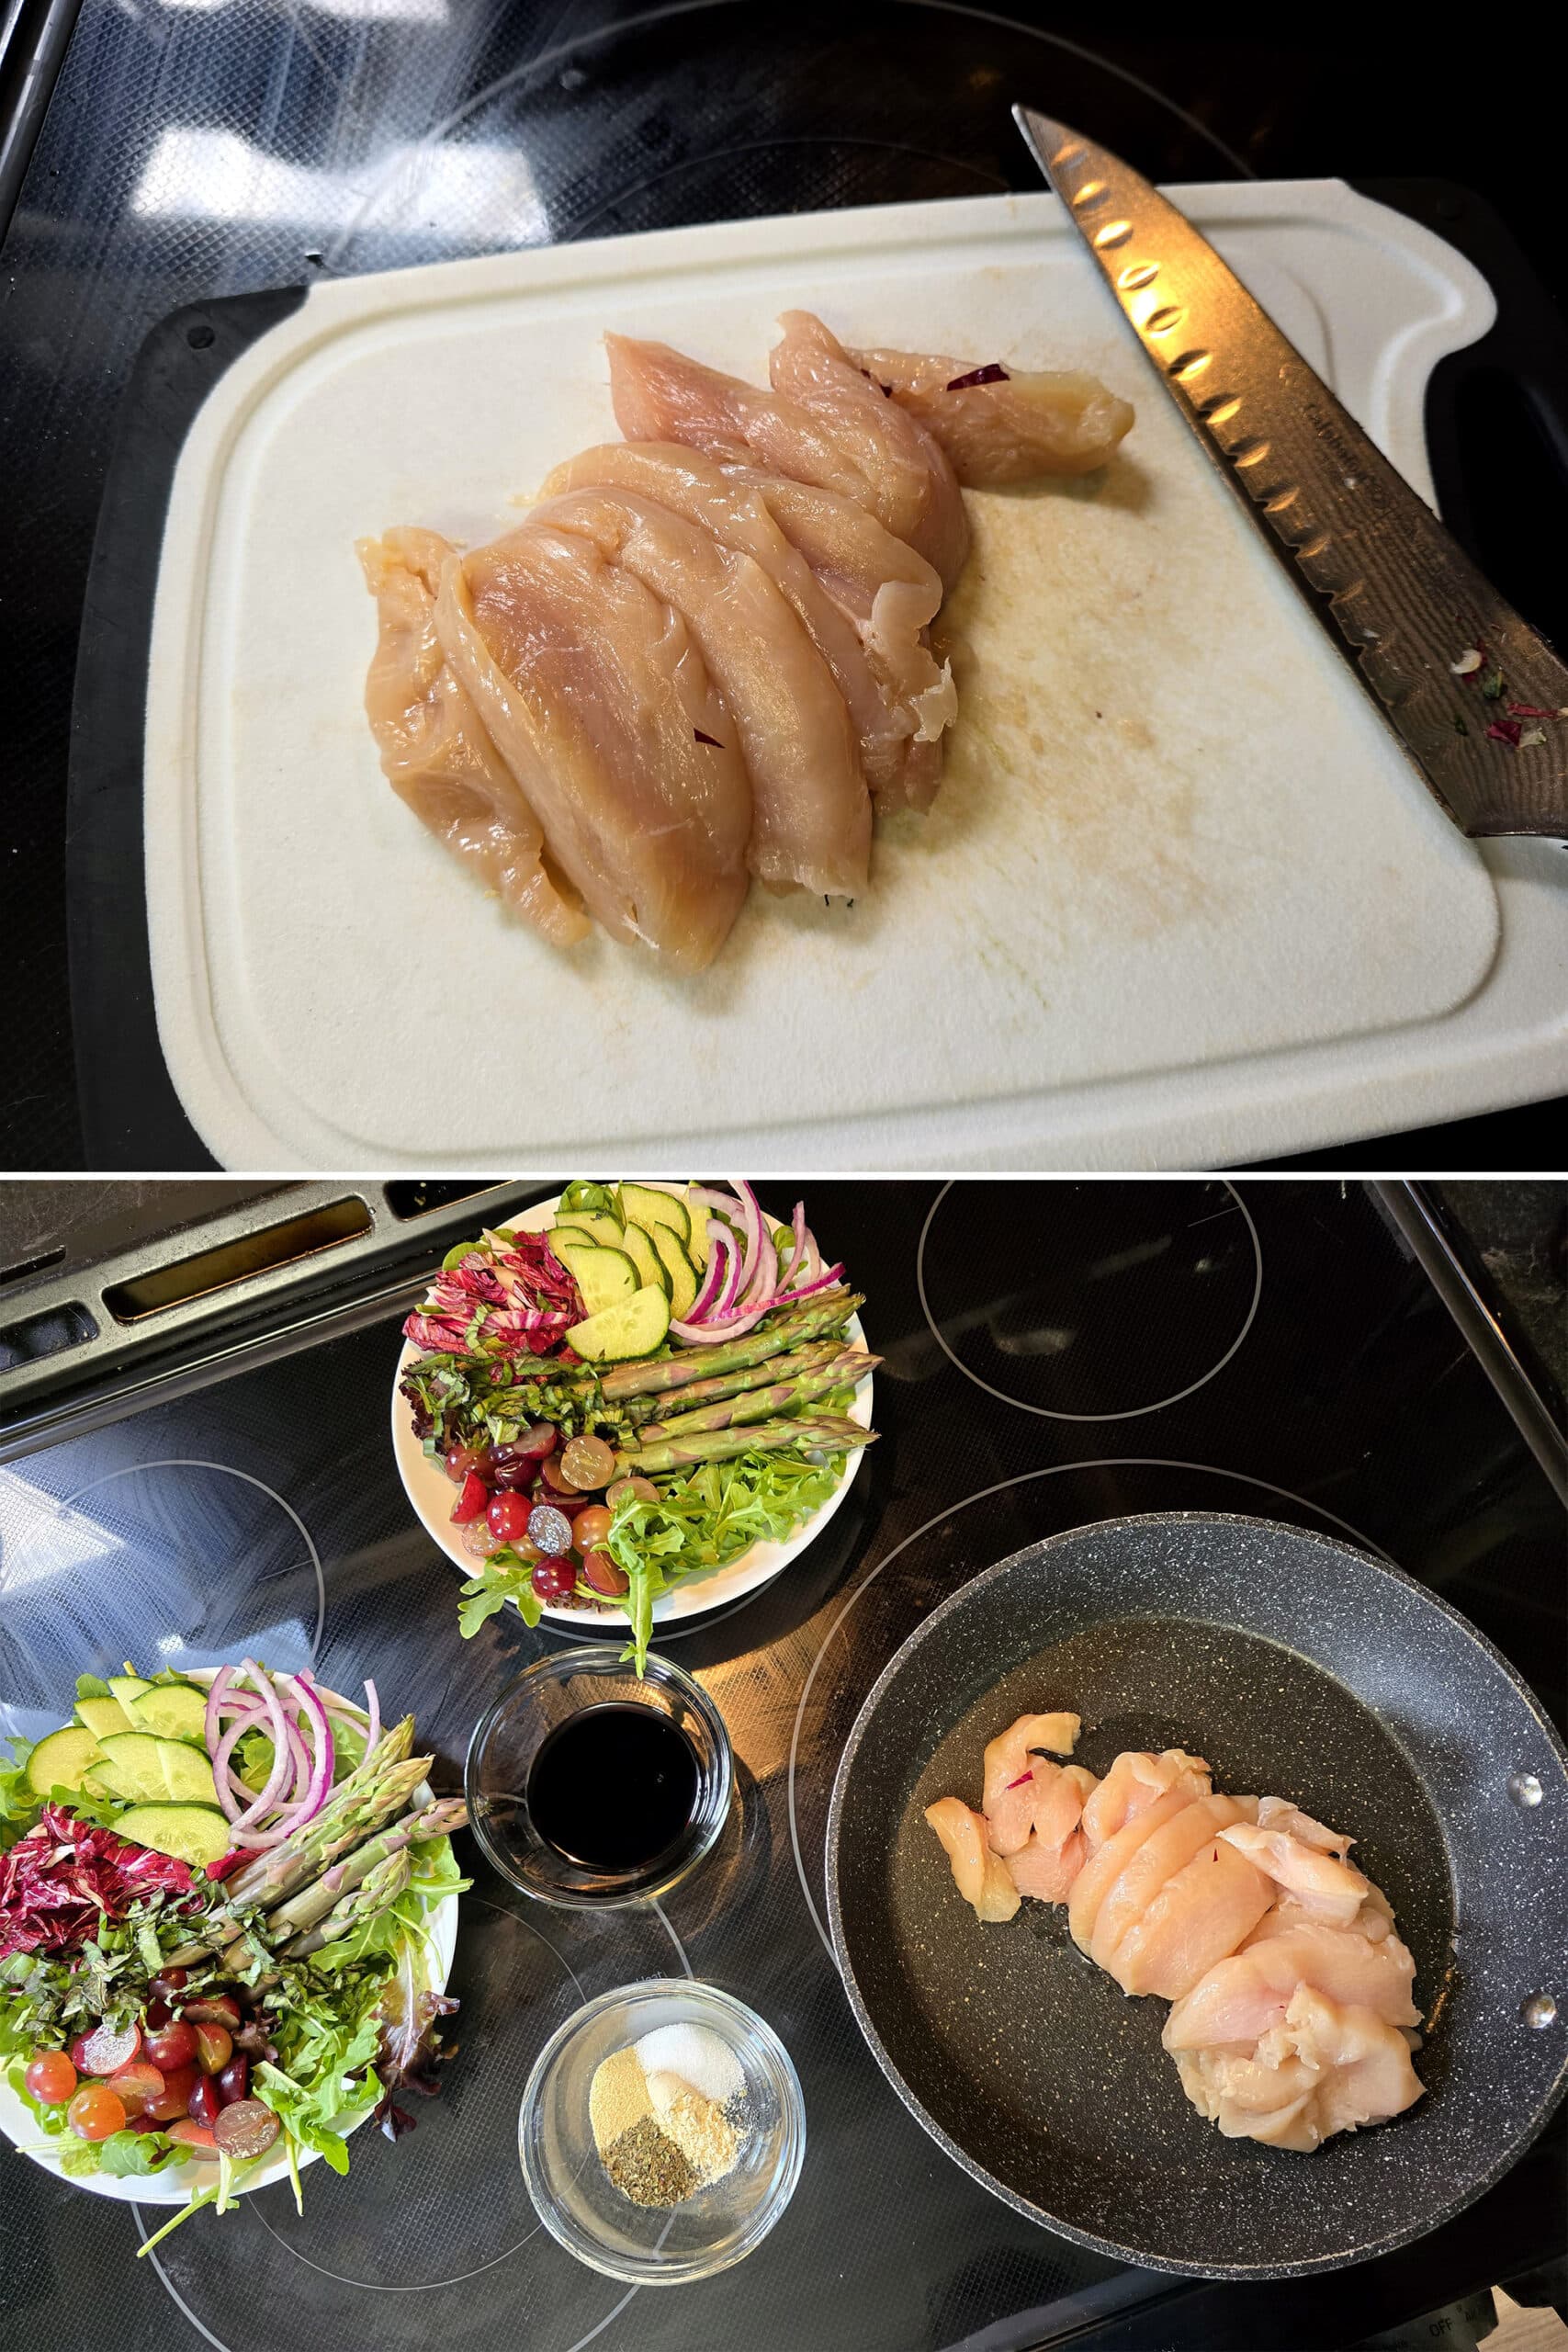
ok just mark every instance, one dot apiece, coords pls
pixel 575 2198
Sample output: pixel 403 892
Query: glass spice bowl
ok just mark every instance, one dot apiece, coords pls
pixel 510 1734
pixel 574 2196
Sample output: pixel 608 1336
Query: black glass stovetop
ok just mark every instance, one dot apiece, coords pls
pixel 1053 1354
pixel 202 148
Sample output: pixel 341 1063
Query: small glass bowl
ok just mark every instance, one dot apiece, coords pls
pixel 509 1735
pixel 576 2200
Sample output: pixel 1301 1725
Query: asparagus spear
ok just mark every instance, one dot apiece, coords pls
pixel 830 1431
pixel 808 1321
pixel 375 1792
pixel 762 1403
pixel 302 1911
pixel 380 1886
pixel 637 1409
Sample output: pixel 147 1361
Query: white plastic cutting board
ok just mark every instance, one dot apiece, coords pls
pixel 1181 898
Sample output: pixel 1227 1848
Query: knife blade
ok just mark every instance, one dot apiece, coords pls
pixel 1445 657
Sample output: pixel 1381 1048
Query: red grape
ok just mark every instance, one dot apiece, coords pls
pixel 214 2009
pixel 586 1462
pixel 550 1530
pixel 105 2049
pixel 167 1982
pixel 51 2078
pixel 590 1527
pixel 199 2138
pixel 214 2048
pixel 234 2082
pixel 605 1575
pixel 137 2085
pixel 96 2112
pixel 555 1478
pixel 507 1518
pixel 643 1489
pixel 473 1500
pixel 206 2099
pixel 174 2045
pixel 554 1578
pixel 461 1460
pixel 178 2084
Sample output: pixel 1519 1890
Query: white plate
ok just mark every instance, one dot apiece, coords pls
pixel 21 2127
pixel 431 1492
pixel 1181 900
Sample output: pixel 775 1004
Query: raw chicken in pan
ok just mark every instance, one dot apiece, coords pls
pixel 706 654
pixel 1293 2016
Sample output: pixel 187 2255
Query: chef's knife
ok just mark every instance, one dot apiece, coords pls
pixel 1479 700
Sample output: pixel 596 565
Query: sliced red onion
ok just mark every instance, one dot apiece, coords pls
pixel 729 1296
pixel 720 1254
pixel 734 1328
pixel 765 1274
pixel 751 1231
pixel 374 1734
pixel 221 1682
pixel 321 1769
pixel 807 1290
pixel 278 1777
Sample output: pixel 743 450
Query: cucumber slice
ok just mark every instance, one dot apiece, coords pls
pixel 147 1770
pixel 597 1224
pixel 645 1258
pixel 632 1326
pixel 647 1208
pixel 103 1717
pixel 126 1687
pixel 60 1760
pixel 601 1275
pixel 682 1274
pixel 171 1710
pixel 195 1833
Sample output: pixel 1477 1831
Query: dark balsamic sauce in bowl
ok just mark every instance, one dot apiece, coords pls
pixel 614 1787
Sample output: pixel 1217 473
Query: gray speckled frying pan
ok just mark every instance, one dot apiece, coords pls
pixel 1296 1666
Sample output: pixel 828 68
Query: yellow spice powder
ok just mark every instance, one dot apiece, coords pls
pixel 698 2126
pixel 617 2098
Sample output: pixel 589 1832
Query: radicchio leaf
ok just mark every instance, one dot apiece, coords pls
pixel 409 2015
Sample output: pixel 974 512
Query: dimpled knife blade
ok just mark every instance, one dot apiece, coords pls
pixel 1408 601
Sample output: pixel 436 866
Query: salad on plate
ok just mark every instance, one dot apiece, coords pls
pixel 226 1912
pixel 639 1396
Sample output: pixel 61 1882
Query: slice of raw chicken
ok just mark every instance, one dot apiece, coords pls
pixel 1323 1885
pixel 720 499
pixel 1326 2066
pixel 810 810
pixel 596 696
pixel 434 750
pixel 1153 1860
pixel 1199 1915
pixel 1016 427
pixel 1008 1790
pixel 658 394
pixel 980 1876
pixel 910 485
pixel 1135 1780
pixel 1051 1858
pixel 891 594
pixel 1240 1998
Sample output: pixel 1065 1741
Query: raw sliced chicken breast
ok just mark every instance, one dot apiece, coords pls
pixel 891 594
pixel 1019 427
pixel 434 750
pixel 719 500
pixel 1325 2067
pixel 1200 1915
pixel 596 696
pixel 810 810
pixel 980 1876
pixel 1137 1780
pixel 1105 1863
pixel 1241 1997
pixel 661 395
pixel 1157 1858
pixel 1322 1883
pixel 910 485
pixel 1008 1790
pixel 1277 1813
pixel 1051 1858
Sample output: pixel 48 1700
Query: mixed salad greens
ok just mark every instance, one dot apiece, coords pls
pixel 637 1397
pixel 215 1930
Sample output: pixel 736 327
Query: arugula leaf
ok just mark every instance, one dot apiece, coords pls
pixel 18 1804
pixel 128 2154
pixel 708 1519
pixel 89 1686
pixel 503 1577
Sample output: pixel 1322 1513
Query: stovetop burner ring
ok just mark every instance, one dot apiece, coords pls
pixel 1041 1345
